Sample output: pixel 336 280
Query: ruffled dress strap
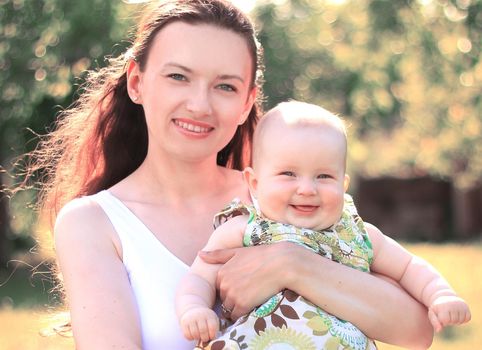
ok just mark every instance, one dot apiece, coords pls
pixel 233 209
pixel 351 228
pixel 350 218
pixel 347 241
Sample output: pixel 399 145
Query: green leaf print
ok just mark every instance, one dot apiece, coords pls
pixel 318 325
pixel 309 314
pixel 332 344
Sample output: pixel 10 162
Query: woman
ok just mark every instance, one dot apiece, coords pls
pixel 145 159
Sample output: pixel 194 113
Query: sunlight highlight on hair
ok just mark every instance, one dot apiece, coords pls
pixel 245 5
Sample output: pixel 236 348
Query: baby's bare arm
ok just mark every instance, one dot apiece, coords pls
pixel 197 291
pixel 420 279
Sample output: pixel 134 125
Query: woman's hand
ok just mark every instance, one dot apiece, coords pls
pixel 250 275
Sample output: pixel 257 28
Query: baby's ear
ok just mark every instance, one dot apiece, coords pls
pixel 250 178
pixel 346 182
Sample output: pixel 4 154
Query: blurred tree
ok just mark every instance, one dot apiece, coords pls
pixel 407 75
pixel 45 45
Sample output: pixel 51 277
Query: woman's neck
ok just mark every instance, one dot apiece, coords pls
pixel 178 181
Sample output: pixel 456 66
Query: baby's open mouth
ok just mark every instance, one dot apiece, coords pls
pixel 305 208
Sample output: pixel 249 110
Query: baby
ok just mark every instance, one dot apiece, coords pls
pixel 298 181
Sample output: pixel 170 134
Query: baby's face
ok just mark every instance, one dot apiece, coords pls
pixel 299 175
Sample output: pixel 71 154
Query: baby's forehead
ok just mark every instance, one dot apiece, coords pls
pixel 294 116
pixel 291 115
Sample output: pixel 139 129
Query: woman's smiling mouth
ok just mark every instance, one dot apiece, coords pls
pixel 196 128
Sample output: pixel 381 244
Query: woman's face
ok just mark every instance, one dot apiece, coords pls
pixel 195 90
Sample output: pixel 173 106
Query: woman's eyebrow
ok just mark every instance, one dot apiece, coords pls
pixel 177 65
pixel 231 76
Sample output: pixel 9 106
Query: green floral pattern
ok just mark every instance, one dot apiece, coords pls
pixel 289 338
pixel 288 320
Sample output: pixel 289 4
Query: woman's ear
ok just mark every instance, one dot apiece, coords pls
pixel 248 106
pixel 250 178
pixel 346 182
pixel 134 81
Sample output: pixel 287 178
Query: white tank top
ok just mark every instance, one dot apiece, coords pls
pixel 154 273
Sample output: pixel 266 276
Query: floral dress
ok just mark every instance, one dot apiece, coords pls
pixel 287 320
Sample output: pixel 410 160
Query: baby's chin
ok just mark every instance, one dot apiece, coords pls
pixel 314 227
pixel 325 224
pixel 322 227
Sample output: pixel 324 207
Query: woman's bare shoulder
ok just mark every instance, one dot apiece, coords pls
pixel 83 221
pixel 77 210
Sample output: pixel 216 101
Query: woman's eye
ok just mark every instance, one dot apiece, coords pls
pixel 288 173
pixel 227 87
pixel 177 76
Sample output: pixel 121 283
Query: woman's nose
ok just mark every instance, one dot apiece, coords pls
pixel 198 101
pixel 306 187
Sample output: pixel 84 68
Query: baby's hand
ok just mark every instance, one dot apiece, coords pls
pixel 199 323
pixel 448 310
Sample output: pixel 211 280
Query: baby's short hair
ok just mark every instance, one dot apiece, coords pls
pixel 297 113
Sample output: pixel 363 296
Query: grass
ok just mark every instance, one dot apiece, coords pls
pixel 24 300
pixel 26 311
pixel 21 329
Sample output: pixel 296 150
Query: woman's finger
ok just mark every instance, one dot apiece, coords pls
pixel 219 256
pixel 226 311
pixel 237 313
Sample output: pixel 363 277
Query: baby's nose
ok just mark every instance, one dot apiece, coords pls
pixel 306 187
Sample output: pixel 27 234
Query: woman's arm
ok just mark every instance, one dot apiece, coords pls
pixel 377 307
pixel 102 306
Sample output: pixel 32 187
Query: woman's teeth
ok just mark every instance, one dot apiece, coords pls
pixel 191 127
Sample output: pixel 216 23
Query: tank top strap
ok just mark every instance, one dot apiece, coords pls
pixel 133 233
pixel 122 218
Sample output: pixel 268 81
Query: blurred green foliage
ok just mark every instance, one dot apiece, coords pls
pixel 406 75
pixel 45 46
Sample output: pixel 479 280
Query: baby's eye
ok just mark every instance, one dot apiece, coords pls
pixel 177 76
pixel 287 173
pixel 324 176
pixel 227 87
